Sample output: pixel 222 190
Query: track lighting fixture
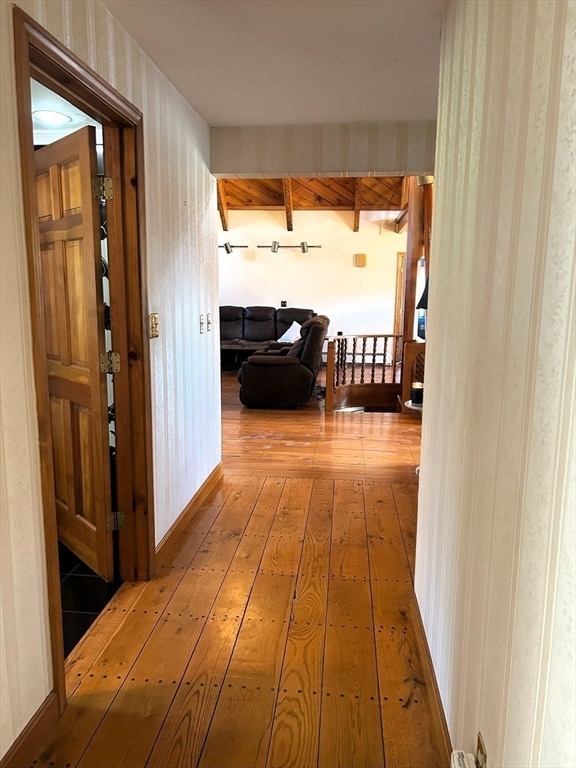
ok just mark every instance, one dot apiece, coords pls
pixel 229 248
pixel 276 245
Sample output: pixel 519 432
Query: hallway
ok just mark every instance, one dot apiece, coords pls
pixel 280 629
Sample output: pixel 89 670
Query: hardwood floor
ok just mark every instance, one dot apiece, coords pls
pixel 280 629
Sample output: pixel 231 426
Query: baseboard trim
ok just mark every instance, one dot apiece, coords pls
pixel 182 521
pixel 28 744
pixel 437 710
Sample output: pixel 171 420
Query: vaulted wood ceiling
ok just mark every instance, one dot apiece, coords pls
pixel 342 193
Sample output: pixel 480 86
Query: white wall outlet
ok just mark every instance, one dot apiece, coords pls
pixel 201 323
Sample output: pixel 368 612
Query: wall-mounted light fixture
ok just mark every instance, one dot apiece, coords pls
pixel 276 245
pixel 229 248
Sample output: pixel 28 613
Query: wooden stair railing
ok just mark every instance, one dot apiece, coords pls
pixel 363 370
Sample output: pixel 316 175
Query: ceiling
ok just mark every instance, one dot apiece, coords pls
pixel 290 62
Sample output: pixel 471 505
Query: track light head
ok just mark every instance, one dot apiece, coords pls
pixel 304 246
pixel 227 247
pixel 275 246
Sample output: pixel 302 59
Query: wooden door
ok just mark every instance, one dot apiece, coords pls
pixel 70 273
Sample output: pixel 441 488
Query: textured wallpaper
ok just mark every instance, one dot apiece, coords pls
pixel 182 284
pixel 180 247
pixel 496 545
pixel 327 149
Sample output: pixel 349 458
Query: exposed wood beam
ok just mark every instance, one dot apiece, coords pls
pixel 414 251
pixel 357 204
pixel 401 222
pixel 428 209
pixel 287 186
pixel 404 193
pixel 222 206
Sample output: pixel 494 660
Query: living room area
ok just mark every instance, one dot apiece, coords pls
pixel 357 299
pixel 344 249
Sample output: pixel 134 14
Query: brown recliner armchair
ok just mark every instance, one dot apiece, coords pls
pixel 284 376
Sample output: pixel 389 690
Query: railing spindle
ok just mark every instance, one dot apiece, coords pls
pixel 384 359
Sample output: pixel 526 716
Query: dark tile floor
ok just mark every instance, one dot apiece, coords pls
pixel 84 596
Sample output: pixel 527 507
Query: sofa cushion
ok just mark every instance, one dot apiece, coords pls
pixel 260 324
pixel 231 322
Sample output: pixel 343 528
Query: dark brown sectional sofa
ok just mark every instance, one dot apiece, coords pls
pixel 251 328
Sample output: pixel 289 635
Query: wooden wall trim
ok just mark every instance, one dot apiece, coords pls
pixel 48 57
pixel 28 744
pixel 182 521
pixel 438 718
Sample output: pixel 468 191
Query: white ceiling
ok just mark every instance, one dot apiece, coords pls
pixel 285 62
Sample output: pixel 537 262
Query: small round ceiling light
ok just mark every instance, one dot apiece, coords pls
pixel 49 117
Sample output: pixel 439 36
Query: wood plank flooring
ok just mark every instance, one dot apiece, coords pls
pixel 278 631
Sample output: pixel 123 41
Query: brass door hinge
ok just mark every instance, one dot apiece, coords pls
pixel 115 521
pixel 102 187
pixel 109 362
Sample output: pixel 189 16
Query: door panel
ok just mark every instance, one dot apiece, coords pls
pixel 70 267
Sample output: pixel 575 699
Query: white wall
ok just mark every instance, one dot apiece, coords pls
pixel 182 283
pixel 496 540
pixel 356 299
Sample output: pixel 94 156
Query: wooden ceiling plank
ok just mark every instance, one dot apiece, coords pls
pixel 255 193
pixel 382 193
pixel 379 193
pixel 323 192
pixel 222 206
pixel 339 191
pixel 287 184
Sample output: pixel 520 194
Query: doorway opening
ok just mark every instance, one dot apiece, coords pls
pixel 63 227
pixel 86 585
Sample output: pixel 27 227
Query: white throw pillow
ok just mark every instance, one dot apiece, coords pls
pixel 292 333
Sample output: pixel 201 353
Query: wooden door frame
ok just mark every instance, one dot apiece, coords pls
pixel 40 55
pixel 399 293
